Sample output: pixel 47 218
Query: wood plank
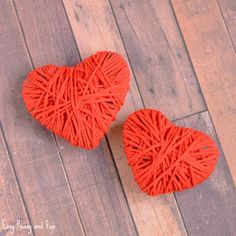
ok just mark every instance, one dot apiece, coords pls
pixel 47 32
pixel 97 190
pixel 158 56
pixel 228 10
pixel 34 154
pixel 209 208
pixel 95 29
pixel 12 207
pixel 92 175
pixel 214 60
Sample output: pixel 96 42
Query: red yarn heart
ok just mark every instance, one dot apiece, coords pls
pixel 78 103
pixel 166 158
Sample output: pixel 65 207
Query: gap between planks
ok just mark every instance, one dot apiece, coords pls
pixel 15 176
pixel 56 140
pixel 53 135
pixel 215 73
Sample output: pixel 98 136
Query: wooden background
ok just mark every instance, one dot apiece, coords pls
pixel 183 62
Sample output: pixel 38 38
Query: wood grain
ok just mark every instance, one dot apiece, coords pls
pixel 214 61
pixel 78 190
pixel 209 208
pixel 34 155
pixel 228 10
pixel 158 56
pixel 92 175
pixel 47 32
pixel 12 207
pixel 95 29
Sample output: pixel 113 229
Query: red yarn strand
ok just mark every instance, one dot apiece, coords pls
pixel 166 158
pixel 78 103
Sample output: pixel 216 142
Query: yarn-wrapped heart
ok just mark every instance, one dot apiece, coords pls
pixel 78 103
pixel 164 157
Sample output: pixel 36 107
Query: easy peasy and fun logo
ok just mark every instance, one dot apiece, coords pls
pixel 18 225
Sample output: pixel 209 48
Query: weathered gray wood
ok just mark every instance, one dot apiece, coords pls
pixel 47 32
pixel 34 155
pixel 209 208
pixel 158 56
pixel 97 190
pixel 92 175
pixel 12 207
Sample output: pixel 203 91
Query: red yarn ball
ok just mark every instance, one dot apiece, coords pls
pixel 78 103
pixel 166 158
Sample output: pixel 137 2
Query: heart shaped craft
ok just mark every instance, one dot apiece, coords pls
pixel 78 103
pixel 164 157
